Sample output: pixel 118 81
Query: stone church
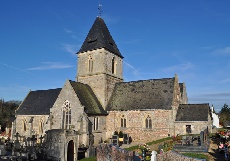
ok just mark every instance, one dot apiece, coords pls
pixel 88 111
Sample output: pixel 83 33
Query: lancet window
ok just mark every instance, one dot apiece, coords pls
pixel 113 66
pixel 41 124
pixel 24 125
pixel 123 121
pixel 148 122
pixel 66 115
pixel 90 64
pixel 95 124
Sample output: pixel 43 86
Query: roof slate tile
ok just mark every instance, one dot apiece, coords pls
pixel 193 112
pixel 99 37
pixel 146 94
pixel 38 102
pixel 88 99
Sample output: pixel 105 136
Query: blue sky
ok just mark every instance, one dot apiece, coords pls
pixel 158 39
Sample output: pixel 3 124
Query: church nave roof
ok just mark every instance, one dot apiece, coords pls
pixel 38 102
pixel 145 94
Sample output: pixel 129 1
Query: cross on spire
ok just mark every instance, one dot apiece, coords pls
pixel 100 9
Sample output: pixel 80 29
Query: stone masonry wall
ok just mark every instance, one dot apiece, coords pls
pixel 173 156
pixel 56 144
pixel 33 126
pixel 197 127
pixel 135 124
pixel 99 134
pixel 101 79
pixel 79 120
pixel 107 152
pixel 66 94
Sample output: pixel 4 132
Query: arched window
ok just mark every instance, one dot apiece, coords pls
pixel 123 121
pixel 24 125
pixel 41 124
pixel 66 115
pixel 114 66
pixel 95 123
pixel 188 129
pixel 90 64
pixel 148 122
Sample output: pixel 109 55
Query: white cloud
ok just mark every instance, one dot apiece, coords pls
pixel 222 51
pixel 68 30
pixel 72 49
pixel 12 67
pixel 131 69
pixel 51 65
pixel 129 65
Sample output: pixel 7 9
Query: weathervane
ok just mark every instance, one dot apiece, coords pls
pixel 100 10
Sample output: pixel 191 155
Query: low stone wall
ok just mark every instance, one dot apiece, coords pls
pixel 106 152
pixel 174 156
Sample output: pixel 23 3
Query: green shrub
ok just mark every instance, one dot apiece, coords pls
pixel 115 133
pixel 120 134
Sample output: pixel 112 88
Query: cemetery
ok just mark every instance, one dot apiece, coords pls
pixel 35 148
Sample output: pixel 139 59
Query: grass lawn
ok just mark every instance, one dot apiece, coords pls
pixel 89 159
pixel 196 155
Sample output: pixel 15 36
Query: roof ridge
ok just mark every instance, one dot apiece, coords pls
pixel 149 80
pixel 45 89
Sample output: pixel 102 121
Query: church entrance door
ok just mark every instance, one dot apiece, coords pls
pixel 70 151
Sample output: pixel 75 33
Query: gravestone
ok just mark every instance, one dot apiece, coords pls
pixel 2 150
pixel 154 156
pixel 201 138
pixel 17 146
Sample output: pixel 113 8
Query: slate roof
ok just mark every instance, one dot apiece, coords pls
pixel 193 112
pixel 88 99
pixel 38 102
pixel 146 94
pixel 99 37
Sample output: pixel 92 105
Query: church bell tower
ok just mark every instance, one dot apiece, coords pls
pixel 100 62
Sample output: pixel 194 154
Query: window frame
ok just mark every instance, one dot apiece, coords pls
pixel 95 123
pixel 148 122
pixel 123 121
pixel 66 115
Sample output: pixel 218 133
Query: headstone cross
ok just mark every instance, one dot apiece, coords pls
pixel 17 136
pixel 40 138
